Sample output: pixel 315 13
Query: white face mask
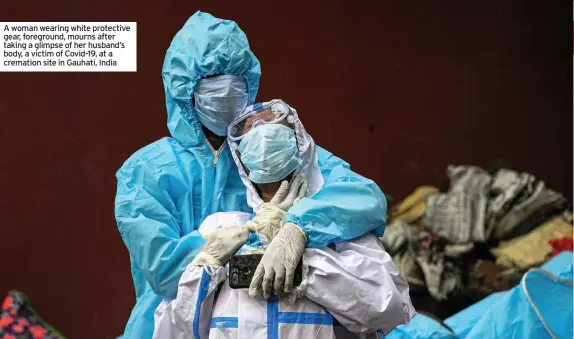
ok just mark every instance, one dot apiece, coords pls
pixel 218 100
pixel 270 153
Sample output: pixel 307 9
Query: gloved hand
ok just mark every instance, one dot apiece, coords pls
pixel 220 246
pixel 276 269
pixel 271 215
pixel 267 221
pixel 288 194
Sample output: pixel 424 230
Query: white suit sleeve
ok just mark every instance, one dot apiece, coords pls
pixel 359 284
pixel 189 314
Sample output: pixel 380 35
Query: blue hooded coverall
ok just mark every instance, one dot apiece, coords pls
pixel 166 189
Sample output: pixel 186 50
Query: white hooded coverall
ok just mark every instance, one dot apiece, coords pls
pixel 354 282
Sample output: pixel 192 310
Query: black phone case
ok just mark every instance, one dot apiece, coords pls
pixel 242 268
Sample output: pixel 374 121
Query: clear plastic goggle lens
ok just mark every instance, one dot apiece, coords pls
pixel 272 112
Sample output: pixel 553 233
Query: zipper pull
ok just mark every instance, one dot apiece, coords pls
pixel 215 159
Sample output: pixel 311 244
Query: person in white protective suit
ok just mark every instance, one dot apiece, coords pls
pixel 352 283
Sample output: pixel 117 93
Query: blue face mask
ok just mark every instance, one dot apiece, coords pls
pixel 218 100
pixel 270 153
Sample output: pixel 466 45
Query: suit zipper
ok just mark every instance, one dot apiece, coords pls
pixel 216 153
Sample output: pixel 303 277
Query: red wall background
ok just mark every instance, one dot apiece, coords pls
pixel 398 90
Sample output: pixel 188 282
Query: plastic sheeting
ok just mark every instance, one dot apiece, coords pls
pixel 539 307
pixel 421 327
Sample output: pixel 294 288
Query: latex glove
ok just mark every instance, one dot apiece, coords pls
pixel 271 215
pixel 288 194
pixel 267 221
pixel 298 292
pixel 220 245
pixel 276 269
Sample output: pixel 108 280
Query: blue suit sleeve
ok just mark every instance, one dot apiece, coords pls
pixel 346 207
pixel 150 227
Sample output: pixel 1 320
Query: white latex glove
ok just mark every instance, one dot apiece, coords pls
pixel 289 193
pixel 267 221
pixel 298 292
pixel 220 245
pixel 277 267
pixel 271 215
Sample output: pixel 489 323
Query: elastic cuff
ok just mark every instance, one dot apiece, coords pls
pixel 299 228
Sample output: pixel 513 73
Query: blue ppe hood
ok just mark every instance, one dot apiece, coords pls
pixel 205 46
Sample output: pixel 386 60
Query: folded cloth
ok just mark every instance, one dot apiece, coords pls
pixel 412 208
pixel 19 320
pixel 427 260
pixel 518 203
pixel 399 241
pixel 442 264
pixel 458 215
pixel 561 245
pixel 398 236
pixel 533 248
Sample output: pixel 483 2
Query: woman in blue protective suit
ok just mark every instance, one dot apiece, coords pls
pixel 166 189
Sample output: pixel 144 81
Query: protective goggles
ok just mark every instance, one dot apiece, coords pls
pixel 273 112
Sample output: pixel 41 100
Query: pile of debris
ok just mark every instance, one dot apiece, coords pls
pixel 475 236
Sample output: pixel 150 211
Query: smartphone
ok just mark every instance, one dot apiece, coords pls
pixel 242 268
